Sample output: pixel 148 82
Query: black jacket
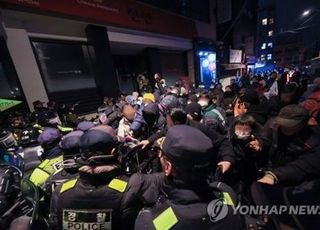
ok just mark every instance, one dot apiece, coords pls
pixel 143 191
pixel 185 208
pixel 222 146
pixel 301 195
pixel 95 194
pixel 248 162
pixel 300 157
pixel 220 142
pixel 86 200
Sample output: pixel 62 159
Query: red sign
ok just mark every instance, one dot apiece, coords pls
pixel 124 13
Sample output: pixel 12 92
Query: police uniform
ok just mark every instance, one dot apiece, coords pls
pixel 44 170
pixel 53 159
pixel 184 200
pixel 70 145
pixel 93 200
pixel 77 204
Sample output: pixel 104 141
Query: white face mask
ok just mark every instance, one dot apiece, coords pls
pixel 203 103
pixel 242 136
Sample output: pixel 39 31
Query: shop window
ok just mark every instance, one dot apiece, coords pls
pixel 65 66
pixel 67 72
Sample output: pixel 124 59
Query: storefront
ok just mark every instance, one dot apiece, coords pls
pixel 71 51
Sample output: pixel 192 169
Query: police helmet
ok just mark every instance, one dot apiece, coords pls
pixel 7 139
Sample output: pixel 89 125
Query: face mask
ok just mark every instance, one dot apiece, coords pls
pixel 203 103
pixel 241 136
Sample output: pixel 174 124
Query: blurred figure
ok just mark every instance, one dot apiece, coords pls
pixel 213 115
pixel 295 148
pixel 160 84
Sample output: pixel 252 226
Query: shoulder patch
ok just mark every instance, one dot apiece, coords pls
pixel 166 220
pixel 227 199
pixel 118 185
pixel 44 163
pixel 68 185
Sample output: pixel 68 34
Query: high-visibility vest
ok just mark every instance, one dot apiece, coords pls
pixel 48 167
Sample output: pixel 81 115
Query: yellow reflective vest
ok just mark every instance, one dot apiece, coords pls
pixel 44 170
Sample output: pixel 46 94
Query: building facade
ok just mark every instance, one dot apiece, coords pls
pixel 287 32
pixel 82 50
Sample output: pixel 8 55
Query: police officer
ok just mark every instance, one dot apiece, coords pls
pixel 51 157
pixel 70 145
pixel 185 160
pixel 93 200
pixel 7 139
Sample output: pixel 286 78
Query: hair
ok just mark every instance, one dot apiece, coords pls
pixel 241 92
pixel 192 176
pixel 290 94
pixel 178 116
pixel 207 95
pixel 245 119
pixel 189 174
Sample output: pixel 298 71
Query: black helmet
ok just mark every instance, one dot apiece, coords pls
pixel 7 139
pixel 28 137
pixel 48 118
pixel 70 145
pixel 96 146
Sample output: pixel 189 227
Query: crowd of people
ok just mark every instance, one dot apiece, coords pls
pixel 258 136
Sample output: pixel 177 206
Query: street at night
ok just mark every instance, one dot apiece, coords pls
pixel 149 114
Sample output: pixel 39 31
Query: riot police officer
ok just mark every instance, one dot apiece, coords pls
pixel 183 204
pixel 7 139
pixel 93 200
pixel 70 145
pixel 51 156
